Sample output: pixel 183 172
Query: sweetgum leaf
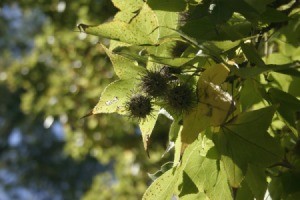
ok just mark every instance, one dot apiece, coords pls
pixel 147 126
pixel 128 5
pixel 114 96
pixel 123 67
pixel 288 106
pixel 170 61
pixel 206 174
pixel 168 5
pixel 164 187
pixel 234 173
pixel 141 30
pixel 167 21
pixel 252 55
pixel 198 196
pixel 250 72
pixel 245 140
pixel 256 180
pixel 259 5
pixel 244 192
pixel 213 107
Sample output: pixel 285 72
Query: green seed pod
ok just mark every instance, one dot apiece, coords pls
pixel 139 106
pixel 181 98
pixel 154 83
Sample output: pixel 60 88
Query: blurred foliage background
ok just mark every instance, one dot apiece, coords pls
pixel 50 76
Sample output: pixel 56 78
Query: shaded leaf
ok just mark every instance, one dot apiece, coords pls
pixel 252 55
pixel 256 180
pixel 245 140
pixel 167 5
pixel 250 72
pixel 288 106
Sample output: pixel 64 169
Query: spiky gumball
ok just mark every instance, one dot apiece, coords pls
pixel 139 106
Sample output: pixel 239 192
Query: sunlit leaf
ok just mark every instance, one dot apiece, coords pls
pixel 123 67
pixel 147 126
pixel 213 107
pixel 164 187
pixel 206 174
pixel 114 97
pixel 128 5
pixel 140 30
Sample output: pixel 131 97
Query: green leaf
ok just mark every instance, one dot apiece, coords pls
pixel 250 94
pixel 140 31
pixel 234 173
pixel 245 140
pixel 174 130
pixel 244 192
pixel 147 127
pixel 252 55
pixel 164 187
pixel 272 15
pixel 250 72
pixel 259 5
pixel 178 148
pixel 256 180
pixel 123 67
pixel 226 44
pixel 285 186
pixel 128 5
pixel 288 106
pixel 175 62
pixel 198 196
pixel 286 83
pixel 206 174
pixel 167 21
pixel 114 96
pixel 188 186
pixel 168 5
pixel 165 167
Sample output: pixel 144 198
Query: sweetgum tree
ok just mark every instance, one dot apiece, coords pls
pixel 226 74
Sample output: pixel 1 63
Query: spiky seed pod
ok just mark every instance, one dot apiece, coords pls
pixel 154 83
pixel 139 106
pixel 181 98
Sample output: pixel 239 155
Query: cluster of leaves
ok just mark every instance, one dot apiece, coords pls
pixel 240 60
pixel 46 89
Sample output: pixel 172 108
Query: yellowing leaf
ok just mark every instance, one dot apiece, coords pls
pixel 215 74
pixel 213 107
